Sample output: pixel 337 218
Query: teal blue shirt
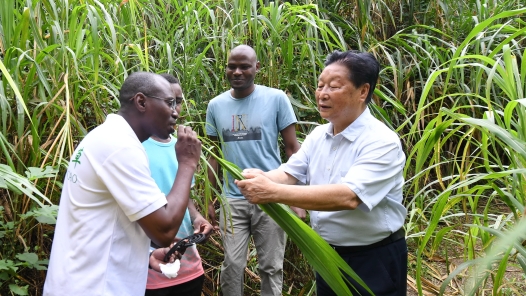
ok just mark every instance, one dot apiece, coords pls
pixel 163 166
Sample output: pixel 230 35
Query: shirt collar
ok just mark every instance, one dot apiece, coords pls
pixel 117 119
pixel 241 99
pixel 352 131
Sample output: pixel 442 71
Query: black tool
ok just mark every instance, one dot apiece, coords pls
pixel 181 245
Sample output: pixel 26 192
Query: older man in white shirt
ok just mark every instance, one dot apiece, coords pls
pixel 354 168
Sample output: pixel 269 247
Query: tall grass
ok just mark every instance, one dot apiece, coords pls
pixel 453 86
pixel 63 62
pixel 465 158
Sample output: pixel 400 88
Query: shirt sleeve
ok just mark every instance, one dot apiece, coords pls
pixel 211 126
pixel 131 184
pixel 374 173
pixel 286 114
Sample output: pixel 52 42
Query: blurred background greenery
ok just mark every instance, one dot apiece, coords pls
pixel 452 86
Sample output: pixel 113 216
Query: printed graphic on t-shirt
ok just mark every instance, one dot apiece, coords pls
pixel 240 131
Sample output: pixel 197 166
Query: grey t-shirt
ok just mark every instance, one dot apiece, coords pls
pixel 248 129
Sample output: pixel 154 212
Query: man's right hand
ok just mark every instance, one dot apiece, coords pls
pixel 157 257
pixel 188 147
pixel 212 216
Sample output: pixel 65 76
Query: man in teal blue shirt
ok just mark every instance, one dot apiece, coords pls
pixel 164 166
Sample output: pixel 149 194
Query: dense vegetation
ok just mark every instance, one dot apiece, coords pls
pixel 453 86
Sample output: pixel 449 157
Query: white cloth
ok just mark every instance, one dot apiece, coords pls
pixel 170 270
pixel 367 157
pixel 99 248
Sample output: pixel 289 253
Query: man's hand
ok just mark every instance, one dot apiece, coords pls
pixel 157 258
pixel 302 214
pixel 212 216
pixel 253 172
pixel 202 226
pixel 188 147
pixel 256 188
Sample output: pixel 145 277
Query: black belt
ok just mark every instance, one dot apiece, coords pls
pixel 388 240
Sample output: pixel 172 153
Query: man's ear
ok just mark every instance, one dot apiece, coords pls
pixel 258 65
pixel 140 102
pixel 364 90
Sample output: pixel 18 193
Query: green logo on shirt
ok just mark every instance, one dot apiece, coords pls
pixel 77 157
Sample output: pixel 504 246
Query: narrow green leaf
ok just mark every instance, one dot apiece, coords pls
pixel 318 252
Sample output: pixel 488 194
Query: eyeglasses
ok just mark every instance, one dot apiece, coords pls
pixel 172 103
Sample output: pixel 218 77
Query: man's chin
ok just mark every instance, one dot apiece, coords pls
pixel 239 85
pixel 164 136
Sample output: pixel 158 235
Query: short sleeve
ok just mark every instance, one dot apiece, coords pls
pixel 374 174
pixel 286 114
pixel 131 184
pixel 211 126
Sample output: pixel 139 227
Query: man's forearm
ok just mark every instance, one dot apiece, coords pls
pixel 280 177
pixel 162 225
pixel 212 173
pixel 178 197
pixel 291 144
pixel 194 213
pixel 330 197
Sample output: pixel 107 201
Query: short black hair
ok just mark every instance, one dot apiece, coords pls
pixel 170 78
pixel 363 68
pixel 143 82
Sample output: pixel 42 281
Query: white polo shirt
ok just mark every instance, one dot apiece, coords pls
pixel 99 248
pixel 367 157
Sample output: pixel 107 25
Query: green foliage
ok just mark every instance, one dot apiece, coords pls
pixel 9 269
pixel 453 86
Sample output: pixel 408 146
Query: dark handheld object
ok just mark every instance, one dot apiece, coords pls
pixel 181 245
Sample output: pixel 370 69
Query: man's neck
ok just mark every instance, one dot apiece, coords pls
pixel 242 93
pixel 135 124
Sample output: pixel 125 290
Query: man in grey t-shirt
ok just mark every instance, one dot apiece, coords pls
pixel 247 121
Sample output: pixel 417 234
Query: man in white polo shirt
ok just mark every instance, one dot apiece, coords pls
pixel 110 206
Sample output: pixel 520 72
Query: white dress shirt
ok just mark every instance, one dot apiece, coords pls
pixel 367 157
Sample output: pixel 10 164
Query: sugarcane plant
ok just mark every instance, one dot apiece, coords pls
pixel 318 252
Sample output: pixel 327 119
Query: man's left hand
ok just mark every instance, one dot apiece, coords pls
pixel 302 214
pixel 201 225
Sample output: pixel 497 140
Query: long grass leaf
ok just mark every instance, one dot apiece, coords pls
pixel 318 252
